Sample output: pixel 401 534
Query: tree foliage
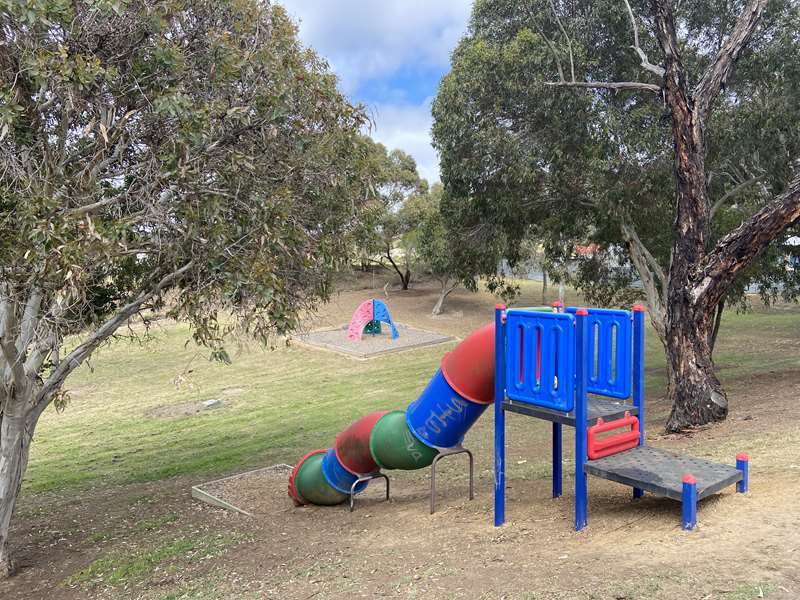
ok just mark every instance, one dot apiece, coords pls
pixel 397 211
pixel 533 160
pixel 154 150
pixel 625 124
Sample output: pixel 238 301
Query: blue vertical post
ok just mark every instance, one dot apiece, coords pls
pixel 742 463
pixel 689 517
pixel 581 491
pixel 499 416
pixel 638 375
pixel 557 452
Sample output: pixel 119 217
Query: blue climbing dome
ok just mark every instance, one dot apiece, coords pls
pixel 380 312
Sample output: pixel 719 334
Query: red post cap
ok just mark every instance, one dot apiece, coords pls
pixel 500 306
pixel 690 479
pixel 558 303
pixel 639 308
pixel 582 312
pixel 742 456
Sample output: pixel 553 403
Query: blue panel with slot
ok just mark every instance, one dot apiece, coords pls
pixel 609 353
pixel 540 359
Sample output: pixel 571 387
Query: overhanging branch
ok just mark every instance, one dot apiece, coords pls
pixel 737 250
pixel 608 85
pixel 717 73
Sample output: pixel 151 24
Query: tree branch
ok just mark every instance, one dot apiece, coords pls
pixel 569 41
pixel 730 194
pixel 75 358
pixel 717 73
pixel 13 368
pixel 646 64
pixel 30 320
pixel 740 247
pixel 608 85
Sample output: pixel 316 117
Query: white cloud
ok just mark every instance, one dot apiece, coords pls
pixel 366 39
pixel 408 127
pixel 370 42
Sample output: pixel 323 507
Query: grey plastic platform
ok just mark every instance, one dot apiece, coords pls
pixel 597 407
pixel 661 472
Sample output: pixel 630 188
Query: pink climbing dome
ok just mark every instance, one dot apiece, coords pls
pixel 361 317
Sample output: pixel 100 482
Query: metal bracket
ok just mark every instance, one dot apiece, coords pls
pixel 369 477
pixel 451 452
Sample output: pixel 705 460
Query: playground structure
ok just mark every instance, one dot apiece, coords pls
pixel 367 319
pixel 430 429
pixel 541 362
pixel 546 366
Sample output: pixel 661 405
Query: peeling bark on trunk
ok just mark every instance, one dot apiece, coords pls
pixel 695 393
pixel 15 441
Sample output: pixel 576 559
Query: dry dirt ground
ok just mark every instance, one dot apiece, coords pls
pixel 746 546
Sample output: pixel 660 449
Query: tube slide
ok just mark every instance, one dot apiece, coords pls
pixel 455 398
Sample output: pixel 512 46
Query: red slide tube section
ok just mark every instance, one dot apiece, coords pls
pixel 469 368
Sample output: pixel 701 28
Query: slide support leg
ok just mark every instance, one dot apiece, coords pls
pixel 742 463
pixel 557 462
pixel 689 506
pixel 499 417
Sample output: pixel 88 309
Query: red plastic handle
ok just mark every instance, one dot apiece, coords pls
pixel 613 444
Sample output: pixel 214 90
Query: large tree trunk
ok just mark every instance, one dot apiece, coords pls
pixel 695 393
pixel 15 442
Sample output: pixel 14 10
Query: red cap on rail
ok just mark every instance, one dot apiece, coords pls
pixel 582 312
pixel 690 479
pixel 639 308
pixel 742 456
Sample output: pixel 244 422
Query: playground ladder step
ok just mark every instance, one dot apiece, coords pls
pixel 661 472
pixel 596 408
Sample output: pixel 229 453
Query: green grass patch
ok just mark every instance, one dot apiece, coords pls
pixel 119 568
pixel 156 523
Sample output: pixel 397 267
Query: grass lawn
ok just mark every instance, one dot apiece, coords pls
pixel 277 405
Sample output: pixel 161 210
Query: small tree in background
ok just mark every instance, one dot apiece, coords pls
pixel 394 217
pixel 152 149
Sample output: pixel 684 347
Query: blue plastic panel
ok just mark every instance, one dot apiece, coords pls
pixel 540 359
pixel 608 355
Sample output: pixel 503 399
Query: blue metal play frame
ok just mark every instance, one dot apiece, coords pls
pixel 546 364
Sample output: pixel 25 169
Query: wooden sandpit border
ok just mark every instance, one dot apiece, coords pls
pixel 203 495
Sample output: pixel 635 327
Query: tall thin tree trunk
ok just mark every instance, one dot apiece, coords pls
pixel 544 288
pixel 717 323
pixel 15 441
pixel 443 294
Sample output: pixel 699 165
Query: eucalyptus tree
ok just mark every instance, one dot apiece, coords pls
pixel 191 158
pixel 666 132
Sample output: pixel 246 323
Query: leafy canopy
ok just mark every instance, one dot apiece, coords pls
pixel 144 138
pixel 522 159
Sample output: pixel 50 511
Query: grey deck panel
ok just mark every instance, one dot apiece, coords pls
pixel 596 408
pixel 661 472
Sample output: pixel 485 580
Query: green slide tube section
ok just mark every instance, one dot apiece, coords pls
pixel 393 446
pixel 312 486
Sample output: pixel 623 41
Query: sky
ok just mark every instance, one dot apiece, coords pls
pixel 389 55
